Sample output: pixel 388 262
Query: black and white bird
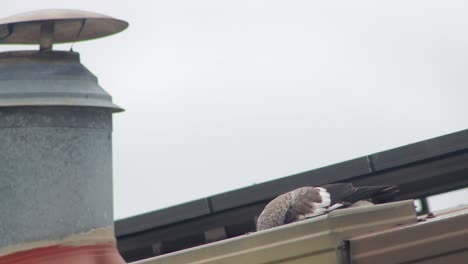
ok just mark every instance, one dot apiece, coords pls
pixel 306 202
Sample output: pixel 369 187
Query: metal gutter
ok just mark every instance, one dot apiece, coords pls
pixel 315 240
pixel 435 239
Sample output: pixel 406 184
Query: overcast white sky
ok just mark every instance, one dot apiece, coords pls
pixel 224 94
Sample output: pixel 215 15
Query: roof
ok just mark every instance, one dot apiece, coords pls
pixel 421 169
pixel 316 240
pixel 438 238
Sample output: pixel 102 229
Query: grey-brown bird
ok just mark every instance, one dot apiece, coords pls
pixel 306 202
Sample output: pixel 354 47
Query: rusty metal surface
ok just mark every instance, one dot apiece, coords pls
pixel 69 26
pixel 49 78
pixel 435 239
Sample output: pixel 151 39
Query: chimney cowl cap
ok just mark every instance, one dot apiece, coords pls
pixel 67 26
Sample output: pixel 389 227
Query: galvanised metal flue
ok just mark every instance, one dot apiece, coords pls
pixel 55 144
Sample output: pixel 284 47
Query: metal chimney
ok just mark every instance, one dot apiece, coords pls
pixel 55 144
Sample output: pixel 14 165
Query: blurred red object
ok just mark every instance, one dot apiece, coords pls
pixel 89 254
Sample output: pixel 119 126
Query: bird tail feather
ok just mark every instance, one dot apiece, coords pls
pixel 346 192
pixel 375 193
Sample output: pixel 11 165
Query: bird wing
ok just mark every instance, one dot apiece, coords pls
pixel 274 212
pixel 307 201
pixel 293 206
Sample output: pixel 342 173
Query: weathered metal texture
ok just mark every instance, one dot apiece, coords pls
pixel 439 239
pixel 68 26
pixel 315 240
pixel 55 172
pixel 29 78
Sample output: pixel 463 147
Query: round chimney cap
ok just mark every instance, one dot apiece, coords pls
pixel 68 26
